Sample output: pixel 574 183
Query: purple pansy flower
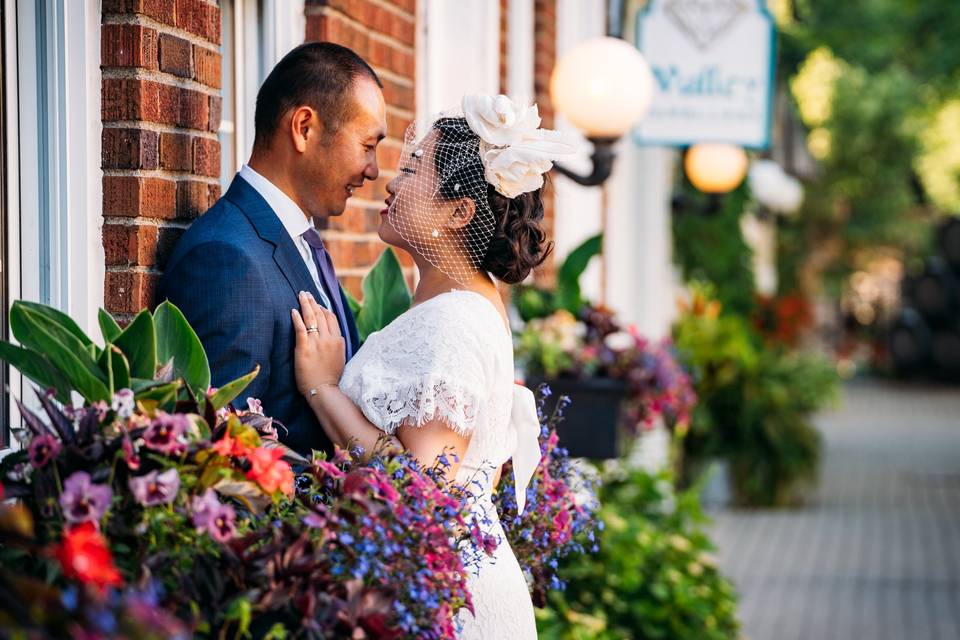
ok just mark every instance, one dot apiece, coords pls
pixel 214 517
pixel 83 501
pixel 165 434
pixel 123 403
pixel 43 449
pixel 155 488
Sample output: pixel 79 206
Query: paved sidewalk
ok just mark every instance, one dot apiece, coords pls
pixel 876 554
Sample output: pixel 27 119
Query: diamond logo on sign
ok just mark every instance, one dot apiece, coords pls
pixel 712 64
pixel 704 20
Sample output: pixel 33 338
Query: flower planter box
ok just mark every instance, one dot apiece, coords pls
pixel 591 424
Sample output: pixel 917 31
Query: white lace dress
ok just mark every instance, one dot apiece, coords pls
pixel 451 358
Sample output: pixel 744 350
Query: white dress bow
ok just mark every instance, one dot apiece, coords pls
pixel 525 422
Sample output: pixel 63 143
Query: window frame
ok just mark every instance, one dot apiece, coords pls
pixel 54 186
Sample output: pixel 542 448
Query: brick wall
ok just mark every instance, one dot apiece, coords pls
pixel 383 33
pixel 544 59
pixel 160 154
pixel 504 44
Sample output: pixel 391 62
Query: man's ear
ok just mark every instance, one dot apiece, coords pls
pixel 303 125
pixel 462 214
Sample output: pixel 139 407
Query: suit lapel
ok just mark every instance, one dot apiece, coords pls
pixel 270 229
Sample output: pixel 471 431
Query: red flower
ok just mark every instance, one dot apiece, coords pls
pixel 269 471
pixel 85 556
pixel 227 446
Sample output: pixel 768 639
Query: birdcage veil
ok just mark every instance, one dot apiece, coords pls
pixel 441 205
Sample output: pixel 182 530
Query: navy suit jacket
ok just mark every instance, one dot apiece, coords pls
pixel 236 274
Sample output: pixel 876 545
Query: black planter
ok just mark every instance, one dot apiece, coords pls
pixel 591 423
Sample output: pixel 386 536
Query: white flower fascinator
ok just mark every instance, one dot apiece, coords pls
pixel 515 152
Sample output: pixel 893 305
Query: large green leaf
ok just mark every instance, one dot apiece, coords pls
pixel 176 339
pixel 117 367
pixel 138 342
pixel 568 277
pixel 59 317
pixel 385 295
pixel 36 367
pixel 65 351
pixel 162 393
pixel 228 392
pixel 108 326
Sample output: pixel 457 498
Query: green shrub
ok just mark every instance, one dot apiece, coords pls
pixel 756 401
pixel 654 576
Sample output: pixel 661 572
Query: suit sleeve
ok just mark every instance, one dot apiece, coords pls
pixel 220 290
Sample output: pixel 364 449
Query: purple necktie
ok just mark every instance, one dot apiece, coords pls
pixel 329 277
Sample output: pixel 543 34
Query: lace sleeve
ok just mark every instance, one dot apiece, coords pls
pixel 432 366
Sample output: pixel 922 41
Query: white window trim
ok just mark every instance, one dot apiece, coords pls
pixel 282 25
pixel 457 52
pixel 74 243
pixel 520 50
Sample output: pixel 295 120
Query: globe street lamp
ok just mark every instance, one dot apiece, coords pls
pixel 603 86
pixel 713 169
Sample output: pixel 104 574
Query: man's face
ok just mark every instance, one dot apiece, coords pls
pixel 339 163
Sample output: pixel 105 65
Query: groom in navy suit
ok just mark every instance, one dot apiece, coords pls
pixel 237 270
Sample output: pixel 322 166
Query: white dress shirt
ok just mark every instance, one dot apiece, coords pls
pixel 293 219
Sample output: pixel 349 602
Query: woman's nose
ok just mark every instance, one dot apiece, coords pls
pixel 392 186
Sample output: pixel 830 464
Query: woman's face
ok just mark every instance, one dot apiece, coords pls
pixel 415 216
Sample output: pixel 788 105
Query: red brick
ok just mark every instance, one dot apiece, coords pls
pixel 194 109
pixel 128 149
pixel 128 45
pixel 353 285
pixel 206 157
pixel 356 219
pixel 398 95
pixel 175 55
pixel 175 152
pixel 161 10
pixel 206 67
pixel 215 107
pixel 199 18
pixel 375 190
pixel 397 125
pixel 194 198
pixel 130 245
pixel 136 196
pixel 139 99
pixel 129 292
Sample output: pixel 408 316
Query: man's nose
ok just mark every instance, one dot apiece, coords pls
pixel 371 171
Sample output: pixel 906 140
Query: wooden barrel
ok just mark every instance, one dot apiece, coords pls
pixel 945 350
pixel 935 292
pixel 948 241
pixel 909 341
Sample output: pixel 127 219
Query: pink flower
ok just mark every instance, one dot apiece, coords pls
pixel 83 501
pixel 166 434
pixel 254 406
pixel 130 454
pixel 43 449
pixel 155 488
pixel 123 403
pixel 329 469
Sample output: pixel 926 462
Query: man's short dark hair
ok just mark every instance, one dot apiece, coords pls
pixel 316 74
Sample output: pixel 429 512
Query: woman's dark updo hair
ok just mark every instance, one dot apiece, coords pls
pixel 518 243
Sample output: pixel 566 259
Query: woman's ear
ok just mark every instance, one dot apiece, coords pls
pixel 303 125
pixel 462 214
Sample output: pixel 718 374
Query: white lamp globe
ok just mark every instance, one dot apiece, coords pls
pixel 774 188
pixel 602 86
pixel 715 168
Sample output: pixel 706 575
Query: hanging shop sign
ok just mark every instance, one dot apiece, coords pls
pixel 713 70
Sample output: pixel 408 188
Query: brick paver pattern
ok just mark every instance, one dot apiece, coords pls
pixel 876 552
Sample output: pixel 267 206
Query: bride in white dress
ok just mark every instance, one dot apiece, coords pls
pixel 466 205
